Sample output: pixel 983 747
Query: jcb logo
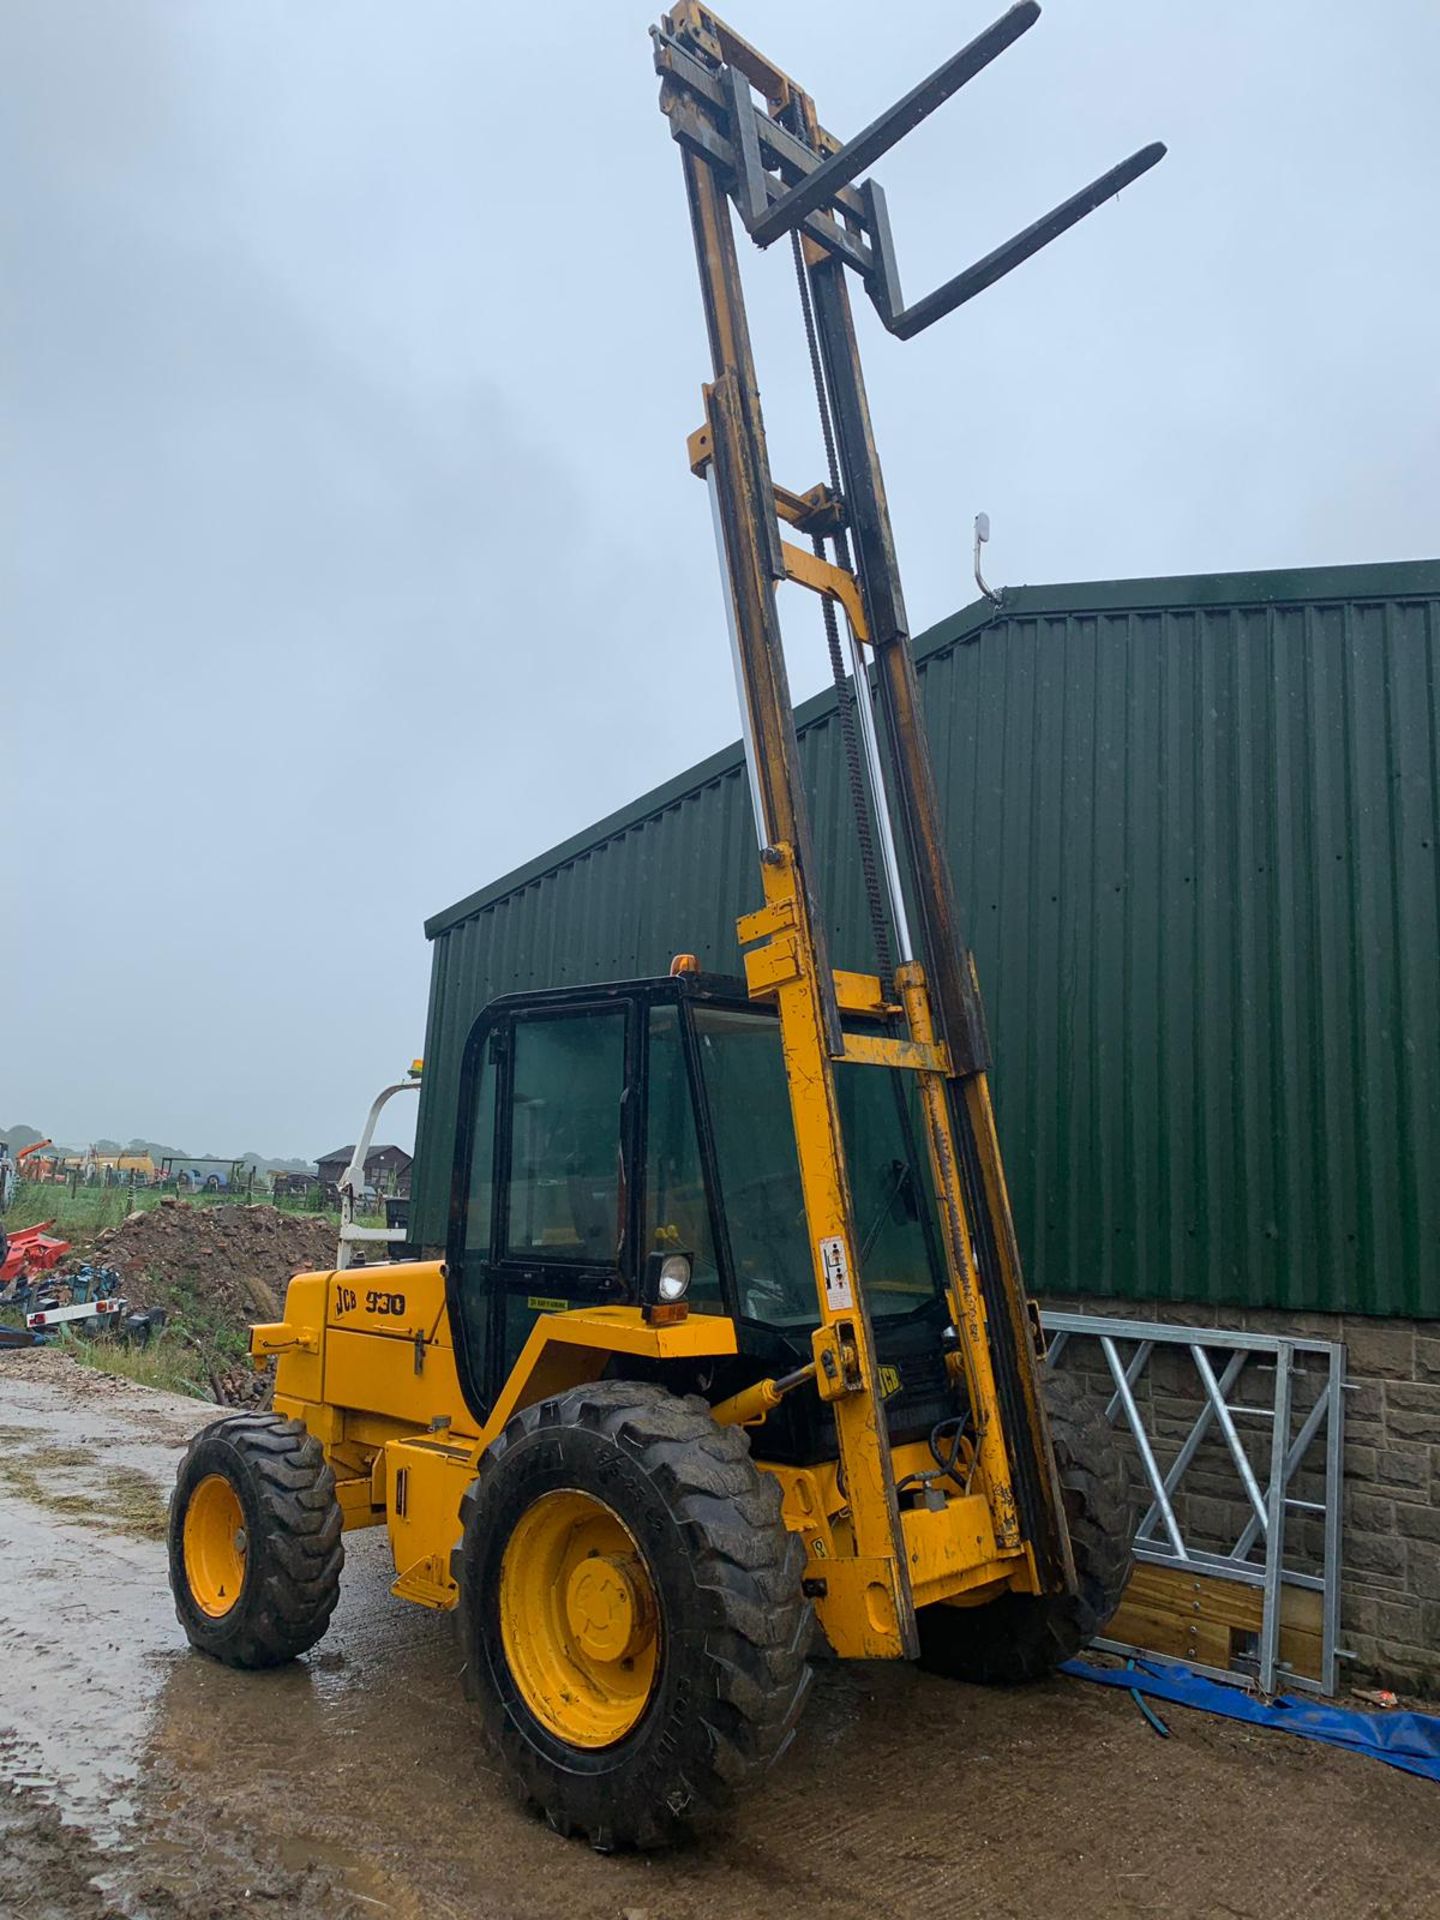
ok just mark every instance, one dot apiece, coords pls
pixel 889 1382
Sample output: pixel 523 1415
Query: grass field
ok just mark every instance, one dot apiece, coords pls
pixel 175 1359
pixel 89 1210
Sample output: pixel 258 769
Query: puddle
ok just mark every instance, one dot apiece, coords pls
pixel 83 1620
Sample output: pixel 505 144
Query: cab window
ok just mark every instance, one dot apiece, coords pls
pixel 565 1190
pixel 480 1188
pixel 750 1117
pixel 677 1212
pixel 749 1105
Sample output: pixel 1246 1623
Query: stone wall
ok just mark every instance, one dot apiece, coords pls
pixel 1390 1547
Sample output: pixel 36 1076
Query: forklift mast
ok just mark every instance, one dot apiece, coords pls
pixel 751 144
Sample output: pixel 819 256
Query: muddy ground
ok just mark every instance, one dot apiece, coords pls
pixel 137 1778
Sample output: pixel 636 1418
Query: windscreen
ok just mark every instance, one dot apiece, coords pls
pixel 749 1103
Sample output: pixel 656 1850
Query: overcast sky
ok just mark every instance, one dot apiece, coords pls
pixel 350 556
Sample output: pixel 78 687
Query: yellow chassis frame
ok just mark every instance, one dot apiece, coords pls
pixel 366 1360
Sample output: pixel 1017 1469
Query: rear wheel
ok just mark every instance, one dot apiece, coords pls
pixel 630 1611
pixel 1023 1636
pixel 255 1547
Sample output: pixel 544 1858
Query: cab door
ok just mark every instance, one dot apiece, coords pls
pixel 547 1208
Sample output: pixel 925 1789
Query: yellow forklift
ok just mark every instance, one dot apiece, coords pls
pixel 729 1354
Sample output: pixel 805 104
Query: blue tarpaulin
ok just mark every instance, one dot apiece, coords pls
pixel 1410 1741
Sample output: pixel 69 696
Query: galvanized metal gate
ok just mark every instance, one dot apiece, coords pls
pixel 1303 1446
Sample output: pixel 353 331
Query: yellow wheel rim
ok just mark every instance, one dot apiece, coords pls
pixel 578 1619
pixel 215 1546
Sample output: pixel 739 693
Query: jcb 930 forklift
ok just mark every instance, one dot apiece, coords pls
pixel 729 1350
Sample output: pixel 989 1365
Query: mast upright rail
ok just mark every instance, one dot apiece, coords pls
pixel 771 160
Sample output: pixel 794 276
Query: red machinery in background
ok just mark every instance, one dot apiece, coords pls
pixel 31 1250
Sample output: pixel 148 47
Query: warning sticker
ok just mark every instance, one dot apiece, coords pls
pixel 836 1269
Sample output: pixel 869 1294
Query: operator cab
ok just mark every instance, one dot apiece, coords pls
pixel 602 1125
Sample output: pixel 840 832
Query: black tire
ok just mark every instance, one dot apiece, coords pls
pixel 1022 1637
pixel 293 1548
pixel 733 1625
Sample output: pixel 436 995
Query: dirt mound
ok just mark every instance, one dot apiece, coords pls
pixel 236 1259
pixel 215 1270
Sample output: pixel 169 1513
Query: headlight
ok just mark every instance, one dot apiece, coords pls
pixel 673 1278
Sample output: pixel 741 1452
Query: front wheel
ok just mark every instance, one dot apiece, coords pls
pixel 1023 1636
pixel 255 1547
pixel 630 1612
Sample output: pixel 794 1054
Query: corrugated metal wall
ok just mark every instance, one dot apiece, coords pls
pixel 1196 834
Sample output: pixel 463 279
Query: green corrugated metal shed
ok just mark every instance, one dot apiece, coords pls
pixel 1195 826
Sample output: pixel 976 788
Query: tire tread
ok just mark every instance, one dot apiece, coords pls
pixel 1018 1638
pixel 300 1549
pixel 746 1645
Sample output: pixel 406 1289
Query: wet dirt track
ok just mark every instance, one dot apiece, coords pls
pixel 352 1784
